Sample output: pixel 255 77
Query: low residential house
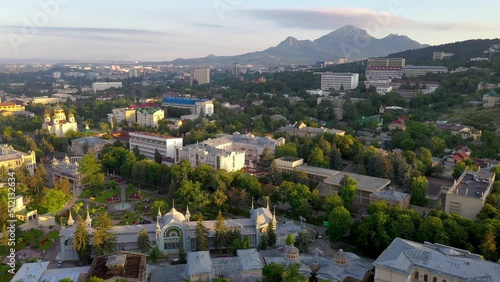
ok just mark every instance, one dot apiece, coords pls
pixel 399 124
pixel 451 160
pixel 464 131
pixel 491 99
pixel 462 149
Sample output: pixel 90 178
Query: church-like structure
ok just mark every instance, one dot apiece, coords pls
pixel 166 232
pixel 59 124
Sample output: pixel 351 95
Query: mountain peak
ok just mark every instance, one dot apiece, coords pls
pixel 288 42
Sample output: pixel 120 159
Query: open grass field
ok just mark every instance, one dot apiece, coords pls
pixel 476 116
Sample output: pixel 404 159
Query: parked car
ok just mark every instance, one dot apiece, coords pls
pixel 59 263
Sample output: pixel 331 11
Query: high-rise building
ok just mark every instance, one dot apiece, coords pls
pixel 134 73
pixel 339 81
pixel 238 70
pixel 386 62
pixel 202 76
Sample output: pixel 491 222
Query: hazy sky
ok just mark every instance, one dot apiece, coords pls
pixel 167 29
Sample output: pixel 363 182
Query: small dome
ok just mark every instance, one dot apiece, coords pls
pixel 292 252
pixel 173 216
pixel 58 110
pixel 71 115
pixel 341 258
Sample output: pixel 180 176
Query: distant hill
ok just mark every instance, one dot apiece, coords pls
pixel 337 44
pixel 463 50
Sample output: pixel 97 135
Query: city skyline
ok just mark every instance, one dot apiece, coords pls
pixel 160 31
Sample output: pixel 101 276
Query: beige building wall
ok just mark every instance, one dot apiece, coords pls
pixel 386 275
pixel 383 274
pixel 150 119
pixel 465 206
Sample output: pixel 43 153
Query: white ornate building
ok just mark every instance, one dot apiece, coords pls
pixel 58 124
pixel 169 227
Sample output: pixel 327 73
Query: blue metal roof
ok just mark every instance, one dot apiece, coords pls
pixel 182 101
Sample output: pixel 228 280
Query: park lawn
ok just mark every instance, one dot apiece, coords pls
pixel 101 197
pixel 89 191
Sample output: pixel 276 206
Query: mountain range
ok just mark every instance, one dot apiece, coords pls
pixel 347 42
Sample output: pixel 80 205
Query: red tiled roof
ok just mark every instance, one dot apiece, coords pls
pixel 7 104
pixel 155 135
pixel 457 158
pixel 463 155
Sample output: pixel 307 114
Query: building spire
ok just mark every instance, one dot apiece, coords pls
pixel 70 219
pixel 252 203
pixel 274 216
pixel 159 212
pixel 267 200
pixel 88 221
pixel 173 204
pixel 188 214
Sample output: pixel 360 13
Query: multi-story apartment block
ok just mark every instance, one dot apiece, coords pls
pixel 150 116
pixel 12 159
pixel 382 86
pixel 101 86
pixel 383 73
pixel 468 194
pixel 386 62
pixel 11 107
pixel 8 108
pixel 196 106
pixel 414 71
pixel 122 114
pixel 339 81
pixel 251 146
pixel 148 143
pixel 438 56
pixel 408 261
pixel 202 76
pixel 70 170
pixel 203 153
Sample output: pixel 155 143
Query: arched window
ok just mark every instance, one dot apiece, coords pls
pixel 434 279
pixel 417 275
pixel 426 278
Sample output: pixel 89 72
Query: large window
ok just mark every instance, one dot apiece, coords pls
pixel 171 238
pixel 426 278
pixel 417 275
